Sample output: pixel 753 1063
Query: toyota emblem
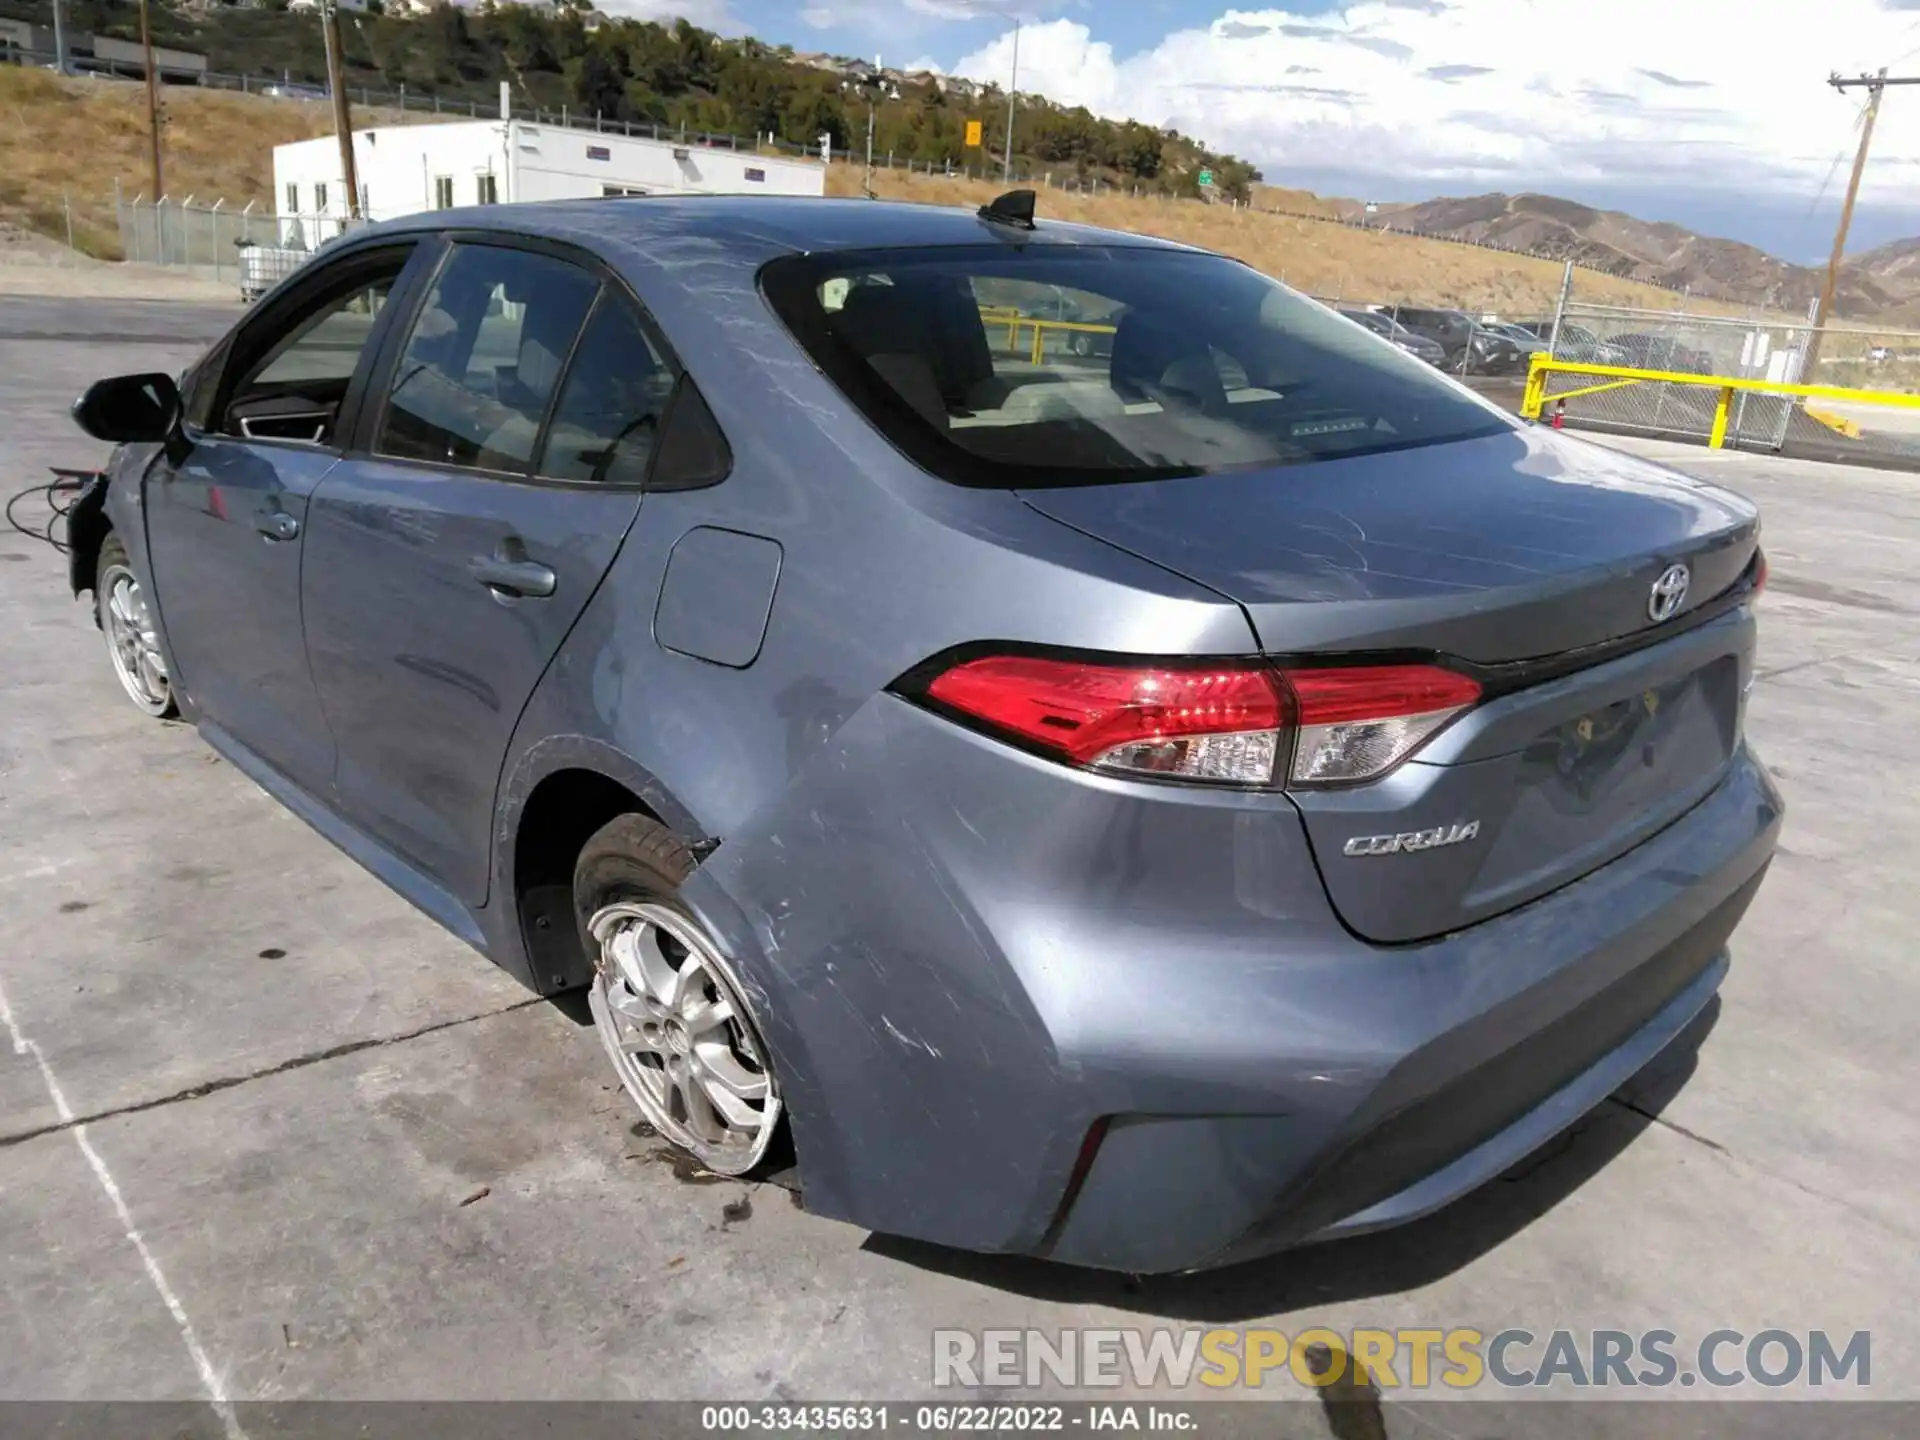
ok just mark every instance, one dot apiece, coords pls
pixel 1669 593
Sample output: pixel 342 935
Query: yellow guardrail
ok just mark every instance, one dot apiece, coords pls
pixel 1615 377
pixel 1840 423
pixel 1015 322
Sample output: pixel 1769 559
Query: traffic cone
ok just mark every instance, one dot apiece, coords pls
pixel 1560 415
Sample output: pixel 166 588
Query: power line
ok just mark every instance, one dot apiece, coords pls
pixel 1838 156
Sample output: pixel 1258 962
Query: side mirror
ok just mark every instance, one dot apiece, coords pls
pixel 129 409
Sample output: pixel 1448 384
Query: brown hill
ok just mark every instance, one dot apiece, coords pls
pixel 1880 284
pixel 1893 270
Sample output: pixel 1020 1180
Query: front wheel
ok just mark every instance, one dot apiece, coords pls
pixel 669 1008
pixel 120 606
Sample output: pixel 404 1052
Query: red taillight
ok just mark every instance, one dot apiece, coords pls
pixel 1759 570
pixel 1214 724
pixel 1244 724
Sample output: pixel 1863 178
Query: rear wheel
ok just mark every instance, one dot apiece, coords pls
pixel 670 1010
pixel 120 605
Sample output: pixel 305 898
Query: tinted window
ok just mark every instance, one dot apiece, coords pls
pixel 608 420
pixel 483 358
pixel 1190 364
pixel 287 380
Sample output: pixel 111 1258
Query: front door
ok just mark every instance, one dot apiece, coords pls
pixel 444 571
pixel 227 511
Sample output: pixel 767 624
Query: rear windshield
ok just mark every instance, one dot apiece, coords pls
pixel 1027 366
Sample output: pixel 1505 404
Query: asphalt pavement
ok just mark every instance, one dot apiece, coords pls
pixel 266 1133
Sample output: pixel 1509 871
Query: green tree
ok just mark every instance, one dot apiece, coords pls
pixel 600 88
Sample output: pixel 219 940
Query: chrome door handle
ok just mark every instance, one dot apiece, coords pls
pixel 517 578
pixel 276 525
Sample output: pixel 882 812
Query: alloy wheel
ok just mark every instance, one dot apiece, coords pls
pixel 674 1023
pixel 132 641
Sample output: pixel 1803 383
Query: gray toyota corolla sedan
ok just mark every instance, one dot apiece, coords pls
pixel 1144 804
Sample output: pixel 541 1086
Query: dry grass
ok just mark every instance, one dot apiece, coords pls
pixel 1330 261
pixel 64 144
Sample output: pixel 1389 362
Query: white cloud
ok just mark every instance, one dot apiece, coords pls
pixel 708 14
pixel 987 9
pixel 1504 93
pixel 819 17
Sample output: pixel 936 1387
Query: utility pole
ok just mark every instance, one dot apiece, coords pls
pixel 153 101
pixel 1873 85
pixel 1006 164
pixel 874 85
pixel 873 105
pixel 342 112
pixel 59 38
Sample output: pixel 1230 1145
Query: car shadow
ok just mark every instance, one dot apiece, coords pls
pixel 1386 1262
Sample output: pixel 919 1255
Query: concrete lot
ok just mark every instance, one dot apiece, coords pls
pixel 294 1086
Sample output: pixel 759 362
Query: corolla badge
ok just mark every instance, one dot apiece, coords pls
pixel 1410 841
pixel 1669 593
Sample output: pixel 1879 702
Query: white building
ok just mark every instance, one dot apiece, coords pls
pixel 404 169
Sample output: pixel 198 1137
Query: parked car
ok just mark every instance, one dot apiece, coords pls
pixel 1662 352
pixel 1471 348
pixel 1144 815
pixel 1524 340
pixel 1383 325
pixel 1577 343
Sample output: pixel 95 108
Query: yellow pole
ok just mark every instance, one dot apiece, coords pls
pixel 1718 440
pixel 1536 391
pixel 1039 343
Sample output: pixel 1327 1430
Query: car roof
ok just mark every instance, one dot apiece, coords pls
pixel 751 229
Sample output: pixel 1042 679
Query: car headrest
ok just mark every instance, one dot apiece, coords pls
pixel 875 321
pixel 1152 361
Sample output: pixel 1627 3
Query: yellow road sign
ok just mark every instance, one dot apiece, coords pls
pixel 973 132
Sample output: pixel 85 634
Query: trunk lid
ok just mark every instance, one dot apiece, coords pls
pixel 1495 552
pixel 1500 549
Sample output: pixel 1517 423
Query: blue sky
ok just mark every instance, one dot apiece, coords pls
pixel 864 26
pixel 1711 113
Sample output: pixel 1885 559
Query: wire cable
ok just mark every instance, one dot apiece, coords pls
pixel 1859 117
pixel 61 493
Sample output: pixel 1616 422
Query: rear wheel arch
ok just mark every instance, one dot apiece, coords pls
pixel 561 811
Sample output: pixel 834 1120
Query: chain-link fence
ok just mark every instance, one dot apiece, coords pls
pixel 1752 347
pixel 249 248
pixel 1475 343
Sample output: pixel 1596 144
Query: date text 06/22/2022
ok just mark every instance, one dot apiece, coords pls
pixel 944 1419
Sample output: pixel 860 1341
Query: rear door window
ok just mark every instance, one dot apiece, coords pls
pixel 1056 365
pixel 607 422
pixel 486 351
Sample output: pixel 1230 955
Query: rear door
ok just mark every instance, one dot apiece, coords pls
pixel 227 510
pixel 446 565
